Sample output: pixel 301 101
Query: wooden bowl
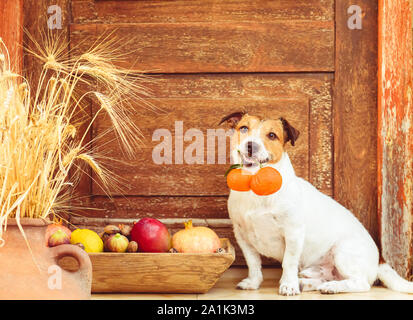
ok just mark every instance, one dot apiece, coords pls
pixel 156 272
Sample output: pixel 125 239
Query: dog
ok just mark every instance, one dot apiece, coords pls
pixel 320 244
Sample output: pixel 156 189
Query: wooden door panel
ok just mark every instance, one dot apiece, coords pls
pixel 192 92
pixel 161 11
pixel 219 47
pixel 145 177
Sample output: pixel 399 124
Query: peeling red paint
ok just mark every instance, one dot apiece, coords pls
pixel 395 133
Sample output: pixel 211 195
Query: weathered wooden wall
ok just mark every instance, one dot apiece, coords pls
pixel 395 133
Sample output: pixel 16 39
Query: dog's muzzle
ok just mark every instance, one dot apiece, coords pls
pixel 252 154
pixel 252 148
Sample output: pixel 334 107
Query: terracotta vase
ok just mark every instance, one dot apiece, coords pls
pixel 35 274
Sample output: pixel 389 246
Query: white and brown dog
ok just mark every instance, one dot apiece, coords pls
pixel 321 245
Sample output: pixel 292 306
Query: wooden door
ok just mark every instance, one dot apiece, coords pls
pixel 297 59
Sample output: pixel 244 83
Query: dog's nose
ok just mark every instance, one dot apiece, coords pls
pixel 252 148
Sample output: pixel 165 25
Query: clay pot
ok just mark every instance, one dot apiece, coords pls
pixel 37 276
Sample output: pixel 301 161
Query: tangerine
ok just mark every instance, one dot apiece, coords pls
pixel 239 180
pixel 266 181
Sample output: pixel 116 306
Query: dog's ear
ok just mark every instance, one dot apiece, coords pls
pixel 233 118
pixel 291 133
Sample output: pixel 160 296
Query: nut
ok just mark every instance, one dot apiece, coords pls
pixel 111 229
pixel 132 246
pixel 125 230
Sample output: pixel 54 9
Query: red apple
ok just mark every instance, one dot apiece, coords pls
pixel 151 235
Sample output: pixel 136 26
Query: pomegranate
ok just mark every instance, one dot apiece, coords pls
pixel 52 228
pixel 196 240
pixel 151 235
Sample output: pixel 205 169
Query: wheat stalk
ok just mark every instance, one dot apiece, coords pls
pixel 40 136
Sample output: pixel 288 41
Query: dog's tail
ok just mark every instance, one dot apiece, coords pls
pixel 389 277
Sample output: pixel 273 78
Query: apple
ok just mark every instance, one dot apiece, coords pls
pixel 151 235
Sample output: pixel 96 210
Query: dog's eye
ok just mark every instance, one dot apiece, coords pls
pixel 272 136
pixel 243 129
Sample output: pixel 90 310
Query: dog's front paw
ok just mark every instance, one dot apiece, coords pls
pixel 289 288
pixel 249 284
pixel 329 287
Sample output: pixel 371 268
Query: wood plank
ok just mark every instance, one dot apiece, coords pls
pixel 92 11
pixel 355 114
pixel 98 223
pixel 145 176
pixel 156 207
pixel 280 46
pixel 11 31
pixel 395 134
pixel 317 87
